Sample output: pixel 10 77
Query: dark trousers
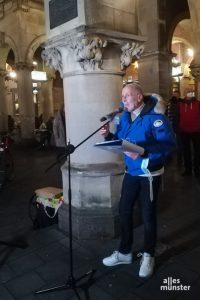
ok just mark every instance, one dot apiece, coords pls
pixel 133 188
pixel 191 156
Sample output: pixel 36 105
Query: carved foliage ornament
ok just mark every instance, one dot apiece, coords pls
pixel 53 59
pixel 130 51
pixel 13 4
pixel 88 52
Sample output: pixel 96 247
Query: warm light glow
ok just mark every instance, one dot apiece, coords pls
pixel 175 62
pixel 176 71
pixel 176 67
pixel 40 76
pixel 35 75
pixel 35 63
pixel 135 64
pixel 12 74
pixel 35 92
pixel 34 98
pixel 190 52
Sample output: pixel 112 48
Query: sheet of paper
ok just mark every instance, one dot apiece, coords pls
pixel 119 146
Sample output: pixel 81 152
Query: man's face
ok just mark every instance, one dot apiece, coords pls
pixel 131 98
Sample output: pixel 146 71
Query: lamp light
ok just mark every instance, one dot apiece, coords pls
pixel 190 52
pixel 12 74
pixel 39 76
pixel 35 91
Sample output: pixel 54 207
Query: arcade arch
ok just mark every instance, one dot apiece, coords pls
pixel 183 55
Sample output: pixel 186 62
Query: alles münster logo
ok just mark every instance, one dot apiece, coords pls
pixel 172 284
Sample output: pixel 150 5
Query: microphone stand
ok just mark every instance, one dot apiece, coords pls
pixel 71 148
pixel 71 281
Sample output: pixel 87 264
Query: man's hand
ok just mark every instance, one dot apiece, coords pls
pixel 105 130
pixel 133 155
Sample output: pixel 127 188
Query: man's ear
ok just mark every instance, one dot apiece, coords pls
pixel 140 98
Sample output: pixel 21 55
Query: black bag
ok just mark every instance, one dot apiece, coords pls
pixel 38 215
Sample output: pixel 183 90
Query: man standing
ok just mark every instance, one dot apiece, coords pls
pixel 144 123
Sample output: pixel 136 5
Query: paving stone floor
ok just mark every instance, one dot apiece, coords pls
pixel 45 261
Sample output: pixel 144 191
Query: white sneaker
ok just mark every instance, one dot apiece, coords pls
pixel 146 265
pixel 117 258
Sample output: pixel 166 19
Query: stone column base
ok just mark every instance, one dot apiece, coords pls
pixel 95 197
pixel 95 223
pixel 90 223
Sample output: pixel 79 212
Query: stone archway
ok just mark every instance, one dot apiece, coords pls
pixel 7 43
pixel 33 46
pixel 44 96
pixel 182 42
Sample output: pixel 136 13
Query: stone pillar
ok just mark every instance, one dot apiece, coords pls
pixel 155 73
pixel 25 96
pixel 46 103
pixel 91 61
pixel 155 67
pixel 3 105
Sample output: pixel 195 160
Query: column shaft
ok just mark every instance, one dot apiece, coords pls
pixel 46 103
pixel 26 104
pixel 3 105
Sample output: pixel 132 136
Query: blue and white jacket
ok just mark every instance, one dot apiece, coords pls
pixel 151 130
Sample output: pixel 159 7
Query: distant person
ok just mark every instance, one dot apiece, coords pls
pixel 189 125
pixel 59 130
pixel 37 122
pixel 43 134
pixel 173 115
pixel 43 126
pixel 49 125
pixel 11 124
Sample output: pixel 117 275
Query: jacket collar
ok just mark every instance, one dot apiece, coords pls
pixel 153 102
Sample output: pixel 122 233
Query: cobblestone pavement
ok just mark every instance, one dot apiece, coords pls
pixel 45 261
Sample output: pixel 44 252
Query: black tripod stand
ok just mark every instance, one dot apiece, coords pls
pixel 71 281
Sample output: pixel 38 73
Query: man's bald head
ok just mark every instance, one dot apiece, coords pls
pixel 132 96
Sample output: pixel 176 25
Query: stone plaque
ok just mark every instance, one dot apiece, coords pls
pixel 62 11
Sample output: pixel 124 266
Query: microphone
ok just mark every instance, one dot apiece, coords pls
pixel 111 115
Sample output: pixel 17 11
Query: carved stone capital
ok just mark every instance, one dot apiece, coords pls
pixel 24 5
pixel 88 52
pixel 130 52
pixel 83 49
pixel 195 70
pixel 53 59
pixel 24 66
